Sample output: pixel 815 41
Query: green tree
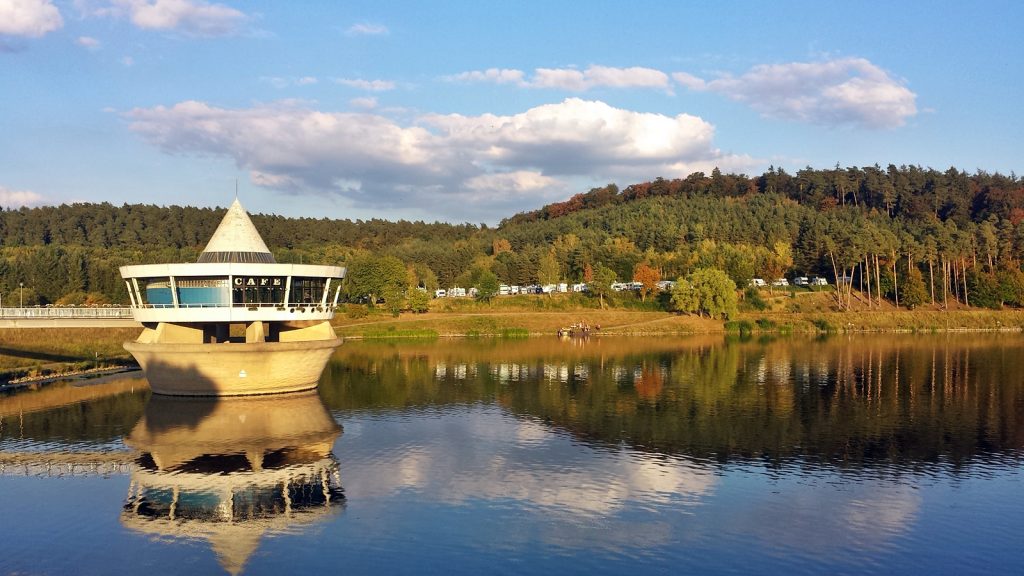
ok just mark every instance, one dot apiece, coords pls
pixel 685 297
pixel 913 291
pixel 602 284
pixel 716 293
pixel 487 286
pixel 374 277
pixel 418 300
pixel 548 271
pixel 424 277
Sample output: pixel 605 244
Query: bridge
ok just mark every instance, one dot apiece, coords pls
pixel 67 317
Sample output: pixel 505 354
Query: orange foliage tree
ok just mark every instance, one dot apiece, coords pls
pixel 648 278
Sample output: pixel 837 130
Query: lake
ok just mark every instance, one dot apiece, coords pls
pixel 884 454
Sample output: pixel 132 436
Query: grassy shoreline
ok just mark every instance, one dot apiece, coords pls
pixel 644 323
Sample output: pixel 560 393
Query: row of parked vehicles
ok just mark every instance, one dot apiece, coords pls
pixel 563 287
pixel 798 281
pixel 507 290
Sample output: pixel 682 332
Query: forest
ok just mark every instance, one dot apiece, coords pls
pixel 906 235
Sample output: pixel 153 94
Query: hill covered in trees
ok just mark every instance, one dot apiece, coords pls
pixel 907 234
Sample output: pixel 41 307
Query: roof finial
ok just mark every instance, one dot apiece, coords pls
pixel 236 188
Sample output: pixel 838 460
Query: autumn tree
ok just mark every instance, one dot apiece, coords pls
pixel 500 245
pixel 776 262
pixel 648 278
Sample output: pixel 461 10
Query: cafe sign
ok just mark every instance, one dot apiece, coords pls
pixel 257 282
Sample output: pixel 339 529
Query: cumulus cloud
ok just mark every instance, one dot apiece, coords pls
pixel 18 198
pixel 570 79
pixel 31 18
pixel 480 163
pixel 579 137
pixel 88 42
pixel 366 29
pixel 848 91
pixel 369 85
pixel 193 17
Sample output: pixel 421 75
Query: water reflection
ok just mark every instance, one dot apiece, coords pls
pixel 872 454
pixel 856 403
pixel 232 470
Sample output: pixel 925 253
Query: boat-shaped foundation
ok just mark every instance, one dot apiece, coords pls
pixel 232 369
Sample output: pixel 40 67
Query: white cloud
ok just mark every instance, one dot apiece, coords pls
pixel 18 198
pixel 194 17
pixel 31 18
pixel 570 78
pixel 848 91
pixel 281 82
pixel 369 85
pixel 579 137
pixel 88 42
pixel 478 163
pixel 366 29
pixel 363 103
pixel 520 183
pixel 494 75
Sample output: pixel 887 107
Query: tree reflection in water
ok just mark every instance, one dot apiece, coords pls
pixel 858 402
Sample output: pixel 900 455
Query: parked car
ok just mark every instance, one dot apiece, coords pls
pixel 758 282
pixel 780 282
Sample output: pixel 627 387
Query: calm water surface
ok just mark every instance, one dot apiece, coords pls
pixel 851 455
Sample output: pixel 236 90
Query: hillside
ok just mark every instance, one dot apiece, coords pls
pixel 949 236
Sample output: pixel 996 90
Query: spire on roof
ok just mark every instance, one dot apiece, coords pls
pixel 236 240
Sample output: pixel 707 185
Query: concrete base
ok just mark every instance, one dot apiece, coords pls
pixel 232 369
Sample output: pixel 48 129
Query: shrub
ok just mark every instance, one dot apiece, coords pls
pixel 356 311
pixel 752 296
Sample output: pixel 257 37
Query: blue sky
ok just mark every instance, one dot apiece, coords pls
pixel 471 111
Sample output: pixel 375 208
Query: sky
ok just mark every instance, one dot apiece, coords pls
pixel 471 111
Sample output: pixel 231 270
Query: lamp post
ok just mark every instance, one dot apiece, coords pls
pixel 21 294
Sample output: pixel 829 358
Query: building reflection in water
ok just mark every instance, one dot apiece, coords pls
pixel 232 470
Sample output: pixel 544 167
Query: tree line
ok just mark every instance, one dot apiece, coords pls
pixel 905 235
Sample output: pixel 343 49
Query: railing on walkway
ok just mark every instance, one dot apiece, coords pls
pixel 43 312
pixel 57 465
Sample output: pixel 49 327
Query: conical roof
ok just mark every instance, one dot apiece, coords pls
pixel 236 240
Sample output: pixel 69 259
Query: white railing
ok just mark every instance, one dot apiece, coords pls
pixel 277 305
pixel 67 312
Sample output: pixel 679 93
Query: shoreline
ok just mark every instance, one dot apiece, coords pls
pixel 43 379
pixel 452 324
pixel 61 353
